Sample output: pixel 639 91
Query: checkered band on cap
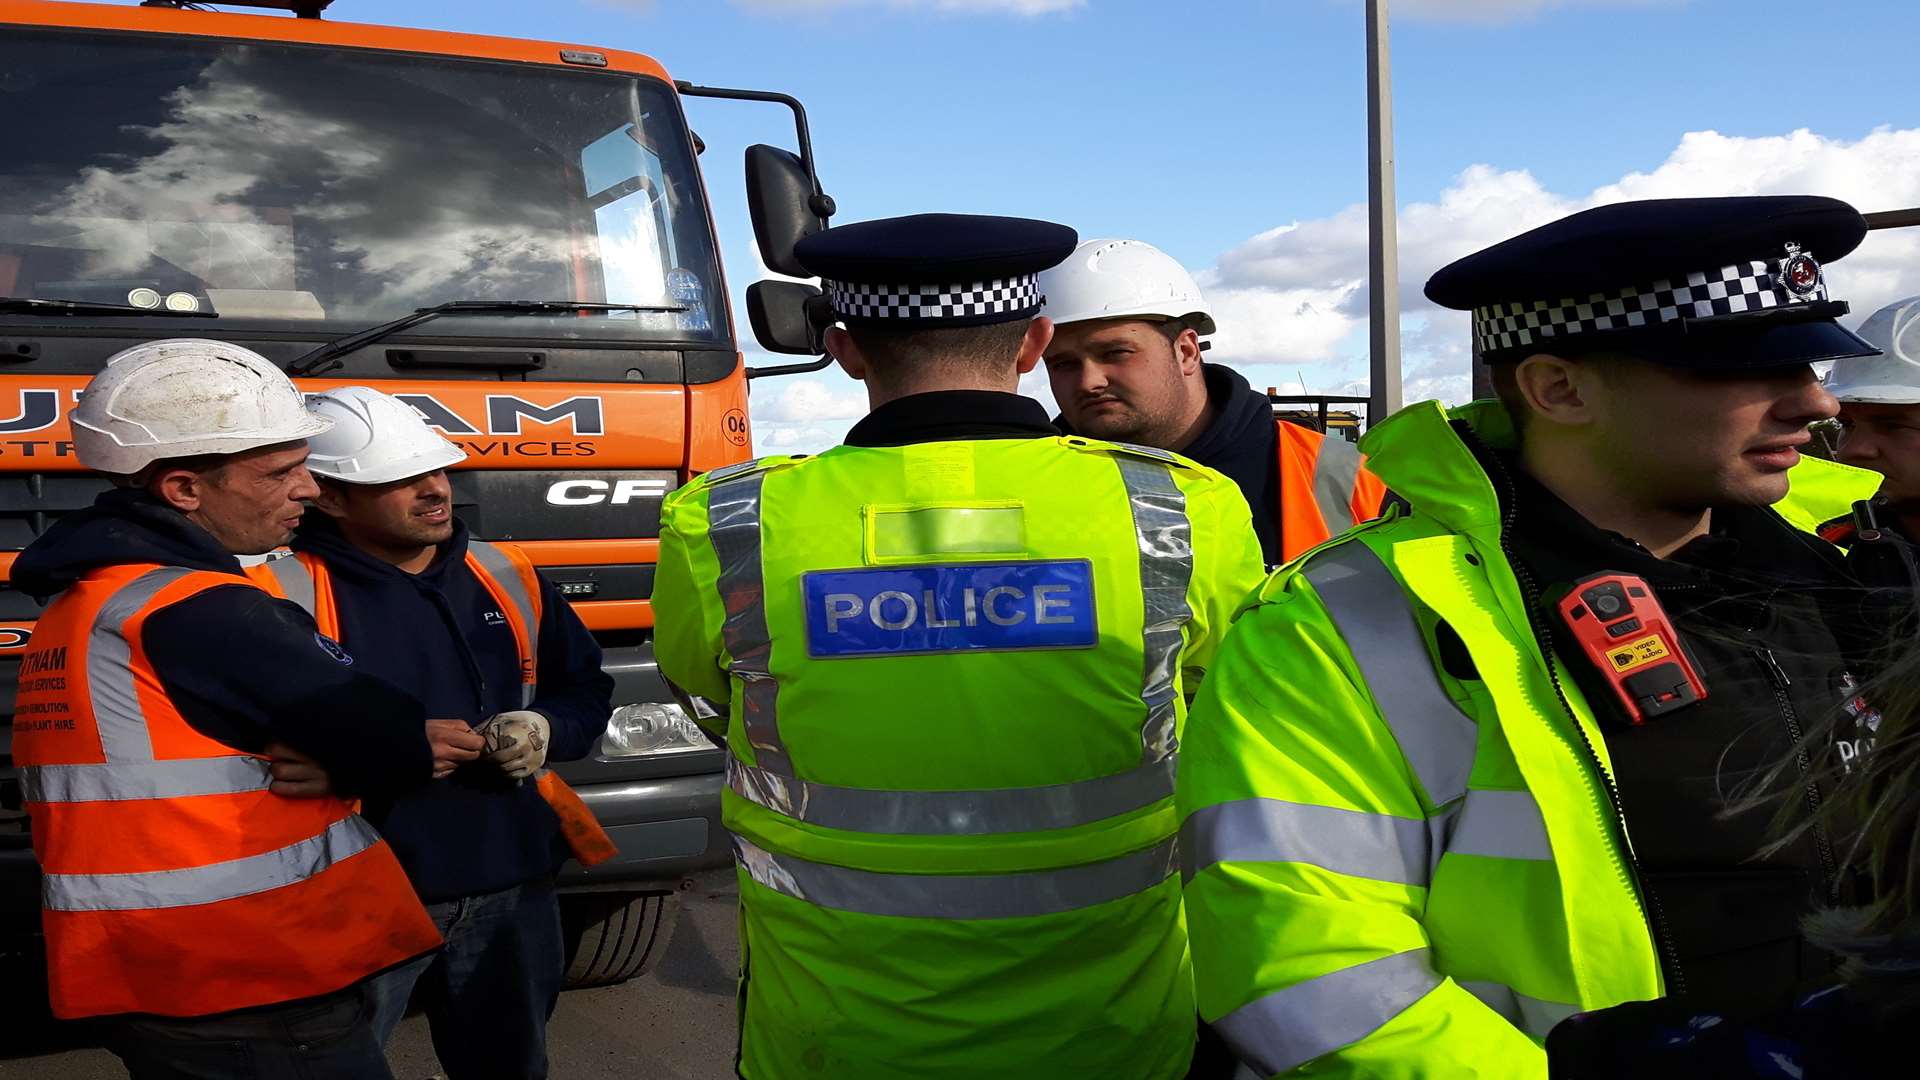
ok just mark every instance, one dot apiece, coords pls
pixel 1011 297
pixel 1748 286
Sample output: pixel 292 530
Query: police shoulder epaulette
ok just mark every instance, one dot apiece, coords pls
pixel 745 468
pixel 1279 576
pixel 1165 457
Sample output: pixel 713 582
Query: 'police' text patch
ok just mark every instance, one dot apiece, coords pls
pixel 960 608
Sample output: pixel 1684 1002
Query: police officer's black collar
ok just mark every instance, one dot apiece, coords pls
pixel 950 415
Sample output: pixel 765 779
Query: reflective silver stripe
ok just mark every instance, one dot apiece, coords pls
pixel 1376 846
pixel 957 896
pixel 1500 824
pixel 143 780
pixel 733 524
pixel 1335 469
pixel 295 581
pixel 110 681
pixel 212 883
pixel 1535 1016
pixel 1288 1028
pixel 953 813
pixel 1374 617
pixel 502 570
pixel 1166 568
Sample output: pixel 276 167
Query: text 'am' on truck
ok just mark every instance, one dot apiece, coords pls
pixel 511 235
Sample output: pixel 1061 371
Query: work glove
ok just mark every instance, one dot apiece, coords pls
pixel 517 741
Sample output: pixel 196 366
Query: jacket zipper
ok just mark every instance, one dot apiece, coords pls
pixel 1530 594
pixel 1829 866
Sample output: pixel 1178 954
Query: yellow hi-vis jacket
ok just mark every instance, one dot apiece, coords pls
pixel 956 675
pixel 1392 872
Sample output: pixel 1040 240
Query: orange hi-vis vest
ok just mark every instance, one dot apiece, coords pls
pixel 174 882
pixel 1325 489
pixel 509 577
pixel 504 571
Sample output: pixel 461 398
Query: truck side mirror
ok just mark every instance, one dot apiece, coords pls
pixel 783 205
pixel 783 315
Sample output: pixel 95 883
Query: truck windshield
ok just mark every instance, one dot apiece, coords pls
pixel 318 190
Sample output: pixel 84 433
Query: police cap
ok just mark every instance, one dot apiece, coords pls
pixel 935 270
pixel 1727 284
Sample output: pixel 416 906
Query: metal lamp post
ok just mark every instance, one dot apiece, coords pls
pixel 1383 259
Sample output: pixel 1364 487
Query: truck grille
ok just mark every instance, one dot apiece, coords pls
pixel 31 502
pixel 516 504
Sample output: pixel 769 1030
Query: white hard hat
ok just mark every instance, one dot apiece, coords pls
pixel 376 439
pixel 1893 377
pixel 1115 279
pixel 185 397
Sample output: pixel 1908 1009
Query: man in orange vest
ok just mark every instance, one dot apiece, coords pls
pixel 188 745
pixel 1125 365
pixel 471 629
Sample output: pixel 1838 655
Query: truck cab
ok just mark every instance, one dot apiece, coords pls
pixel 512 236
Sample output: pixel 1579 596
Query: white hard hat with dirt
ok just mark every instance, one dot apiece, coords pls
pixel 185 397
pixel 375 438
pixel 1121 279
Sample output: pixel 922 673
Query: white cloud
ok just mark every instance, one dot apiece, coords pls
pixel 1304 284
pixel 801 400
pixel 1282 322
pixel 1291 301
pixel 1500 11
pixel 804 413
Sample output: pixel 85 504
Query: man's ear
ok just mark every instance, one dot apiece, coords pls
pixel 1186 350
pixel 1034 345
pixel 181 489
pixel 332 501
pixel 841 347
pixel 1558 390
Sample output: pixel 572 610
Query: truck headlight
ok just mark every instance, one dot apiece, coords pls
pixel 651 727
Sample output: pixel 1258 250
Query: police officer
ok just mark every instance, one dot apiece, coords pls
pixel 482 639
pixel 956 653
pixel 188 745
pixel 1427 815
pixel 1125 364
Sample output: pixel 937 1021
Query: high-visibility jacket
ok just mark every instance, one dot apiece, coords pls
pixel 509 577
pixel 957 675
pixel 1393 870
pixel 1325 488
pixel 174 882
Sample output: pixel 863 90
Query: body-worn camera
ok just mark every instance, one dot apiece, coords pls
pixel 1629 639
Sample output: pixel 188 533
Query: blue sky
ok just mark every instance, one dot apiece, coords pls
pixel 1231 133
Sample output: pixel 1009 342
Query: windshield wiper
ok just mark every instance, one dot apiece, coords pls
pixel 324 358
pixel 35 306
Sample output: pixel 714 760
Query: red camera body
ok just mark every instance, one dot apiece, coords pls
pixel 1632 644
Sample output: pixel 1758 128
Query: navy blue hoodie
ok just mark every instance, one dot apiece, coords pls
pixel 440 634
pixel 242 668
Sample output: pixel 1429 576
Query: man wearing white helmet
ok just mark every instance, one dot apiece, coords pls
pixel 1880 416
pixel 1125 365
pixel 189 745
pixel 471 629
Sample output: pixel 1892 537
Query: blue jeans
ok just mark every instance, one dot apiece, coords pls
pixel 323 1038
pixel 489 994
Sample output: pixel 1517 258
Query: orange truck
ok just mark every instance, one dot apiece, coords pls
pixel 511 235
